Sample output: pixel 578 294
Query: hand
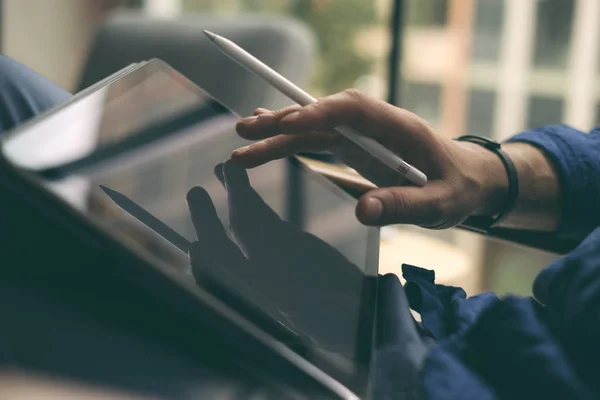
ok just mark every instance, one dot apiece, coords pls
pixel 463 177
pixel 310 282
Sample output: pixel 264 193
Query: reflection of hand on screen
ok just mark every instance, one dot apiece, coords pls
pixel 308 280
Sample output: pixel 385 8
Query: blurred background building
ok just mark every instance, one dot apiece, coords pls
pixel 485 67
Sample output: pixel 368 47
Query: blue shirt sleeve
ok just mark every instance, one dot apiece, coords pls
pixel 576 158
pixel 24 94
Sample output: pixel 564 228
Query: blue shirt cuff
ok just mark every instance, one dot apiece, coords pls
pixel 576 158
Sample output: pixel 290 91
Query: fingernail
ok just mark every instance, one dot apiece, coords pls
pixel 196 194
pixel 264 116
pixel 374 208
pixel 235 173
pixel 292 117
pixel 260 111
pixel 241 150
pixel 249 120
pixel 219 172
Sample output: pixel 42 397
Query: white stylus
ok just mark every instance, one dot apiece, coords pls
pixel 292 91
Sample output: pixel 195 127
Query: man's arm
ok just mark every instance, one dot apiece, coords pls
pixel 558 166
pixel 538 204
pixel 24 94
pixel 559 182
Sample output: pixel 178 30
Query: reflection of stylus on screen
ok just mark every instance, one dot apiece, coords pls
pixel 371 146
pixel 156 225
pixel 281 328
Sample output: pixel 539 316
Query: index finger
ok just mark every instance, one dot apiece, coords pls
pixel 392 126
pixel 211 234
pixel 263 123
pixel 370 116
pixel 251 219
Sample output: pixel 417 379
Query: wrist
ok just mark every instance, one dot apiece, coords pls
pixel 490 178
pixel 539 198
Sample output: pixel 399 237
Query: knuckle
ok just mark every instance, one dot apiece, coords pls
pixel 342 107
pixel 353 94
pixel 285 111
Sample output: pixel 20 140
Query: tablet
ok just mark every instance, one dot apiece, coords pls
pixel 287 243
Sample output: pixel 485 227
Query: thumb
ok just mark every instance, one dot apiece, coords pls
pixel 425 206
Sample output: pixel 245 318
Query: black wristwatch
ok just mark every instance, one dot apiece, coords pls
pixel 486 223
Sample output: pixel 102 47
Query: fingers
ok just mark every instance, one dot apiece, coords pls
pixel 263 123
pixel 424 206
pixel 282 146
pixel 219 174
pixel 246 207
pixel 349 107
pixel 344 108
pixel 208 262
pixel 399 130
pixel 370 116
pixel 259 111
pixel 211 235
pixel 201 258
pixel 204 215
pixel 252 221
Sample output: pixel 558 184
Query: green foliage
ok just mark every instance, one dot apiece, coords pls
pixel 427 12
pixel 336 23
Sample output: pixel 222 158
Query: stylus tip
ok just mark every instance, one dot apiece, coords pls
pixel 210 35
pixel 107 190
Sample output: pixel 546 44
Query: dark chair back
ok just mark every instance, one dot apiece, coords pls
pixel 285 45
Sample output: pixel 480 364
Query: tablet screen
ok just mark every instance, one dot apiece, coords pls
pixel 278 236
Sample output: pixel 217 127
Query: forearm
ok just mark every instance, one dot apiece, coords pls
pixel 559 181
pixel 538 206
